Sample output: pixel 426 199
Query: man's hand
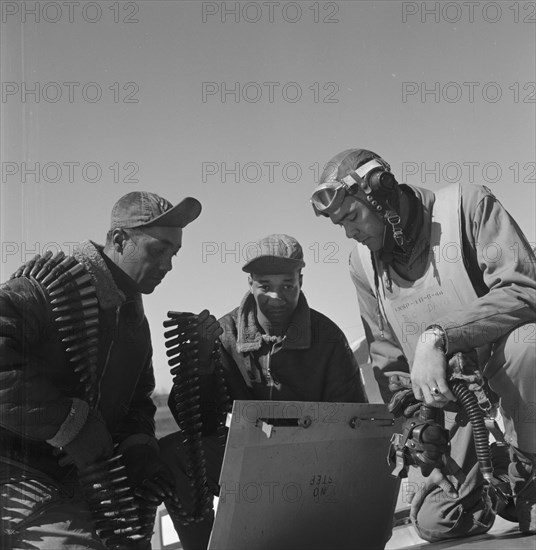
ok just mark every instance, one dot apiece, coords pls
pixel 428 373
pixel 208 330
pixel 404 403
pixel 91 444
pixel 150 477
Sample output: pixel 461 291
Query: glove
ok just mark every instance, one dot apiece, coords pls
pixel 149 476
pixel 403 403
pixel 208 330
pixel 92 443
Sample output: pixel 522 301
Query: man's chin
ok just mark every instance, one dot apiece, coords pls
pixel 372 245
pixel 149 291
pixel 279 318
pixel 149 287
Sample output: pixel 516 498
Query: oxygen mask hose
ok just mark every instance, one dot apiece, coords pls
pixel 469 402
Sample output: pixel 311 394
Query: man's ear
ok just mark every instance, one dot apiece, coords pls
pixel 118 240
pixel 300 279
pixel 250 281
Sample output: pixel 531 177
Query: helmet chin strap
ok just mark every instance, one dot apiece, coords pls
pixel 386 252
pixel 392 219
pixel 393 235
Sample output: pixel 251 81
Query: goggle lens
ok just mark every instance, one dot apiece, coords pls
pixel 328 197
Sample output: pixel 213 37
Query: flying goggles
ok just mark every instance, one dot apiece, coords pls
pixel 372 178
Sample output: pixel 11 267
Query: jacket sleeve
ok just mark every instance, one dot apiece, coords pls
pixel 502 267
pixel 343 382
pixel 30 404
pixel 141 413
pixel 385 352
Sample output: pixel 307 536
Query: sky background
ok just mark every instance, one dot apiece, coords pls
pixel 240 104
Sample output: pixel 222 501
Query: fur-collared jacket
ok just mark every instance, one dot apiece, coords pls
pixel 38 384
pixel 312 362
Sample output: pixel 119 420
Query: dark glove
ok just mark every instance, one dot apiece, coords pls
pixel 149 476
pixel 92 443
pixel 208 330
pixel 199 333
pixel 403 401
pixel 399 381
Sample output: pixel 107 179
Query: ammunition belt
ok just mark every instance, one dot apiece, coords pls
pixel 121 519
pixel 182 351
pixel 74 304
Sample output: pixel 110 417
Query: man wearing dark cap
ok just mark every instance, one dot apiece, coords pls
pixel 274 347
pixel 76 378
pixel 444 280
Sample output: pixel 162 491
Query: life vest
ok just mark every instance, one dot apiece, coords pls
pixel 411 306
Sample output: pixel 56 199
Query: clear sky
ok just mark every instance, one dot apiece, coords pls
pixel 240 104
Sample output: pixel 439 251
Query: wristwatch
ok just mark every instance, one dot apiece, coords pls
pixel 441 337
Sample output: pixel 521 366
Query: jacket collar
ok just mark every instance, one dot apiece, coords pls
pixel 108 293
pixel 250 338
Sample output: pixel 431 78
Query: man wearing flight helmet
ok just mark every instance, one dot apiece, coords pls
pixel 429 287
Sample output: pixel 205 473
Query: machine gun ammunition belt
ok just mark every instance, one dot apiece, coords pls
pixel 182 352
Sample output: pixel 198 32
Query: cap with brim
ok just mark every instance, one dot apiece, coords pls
pixel 275 254
pixel 144 209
